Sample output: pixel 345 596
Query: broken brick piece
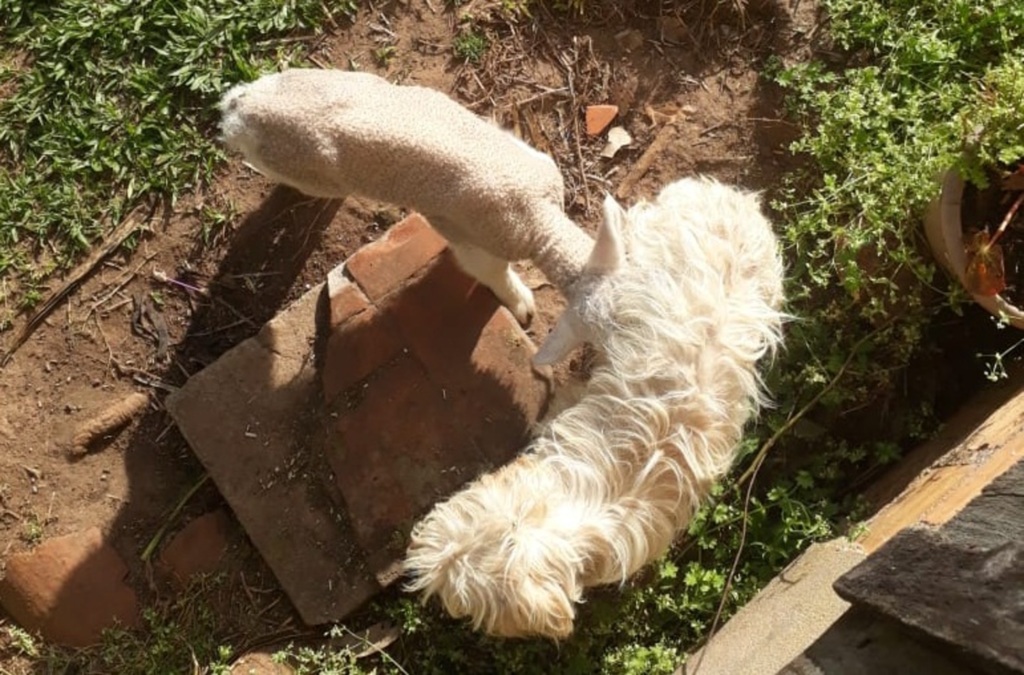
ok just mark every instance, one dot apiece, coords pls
pixel 599 117
pixel 382 266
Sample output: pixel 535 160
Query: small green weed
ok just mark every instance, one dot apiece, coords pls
pixel 331 659
pixel 384 54
pixel 471 45
pixel 321 660
pixel 31 530
pixel 19 641
pixel 212 221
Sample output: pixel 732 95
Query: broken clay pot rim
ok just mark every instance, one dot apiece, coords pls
pixel 944 230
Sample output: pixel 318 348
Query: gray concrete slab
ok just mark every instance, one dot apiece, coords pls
pixel 784 619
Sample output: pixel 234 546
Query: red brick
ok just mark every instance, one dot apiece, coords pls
pixel 441 314
pixel 471 345
pixel 398 451
pixel 459 403
pixel 199 547
pixel 382 266
pixel 346 300
pixel 69 589
pixel 356 348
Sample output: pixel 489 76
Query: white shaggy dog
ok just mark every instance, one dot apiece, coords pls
pixel 688 298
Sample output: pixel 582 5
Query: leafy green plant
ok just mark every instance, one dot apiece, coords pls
pixel 878 133
pixel 321 659
pixel 32 530
pixel 470 45
pixel 384 54
pixel 19 641
pixel 993 123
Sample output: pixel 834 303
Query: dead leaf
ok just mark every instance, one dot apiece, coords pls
pixel 618 138
pixel 985 273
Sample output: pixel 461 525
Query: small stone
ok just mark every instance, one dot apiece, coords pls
pixel 69 589
pixel 259 663
pixel 630 39
pixel 599 117
pixel 673 29
pixel 618 138
pixel 199 547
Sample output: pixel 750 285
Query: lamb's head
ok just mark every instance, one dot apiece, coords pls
pixel 589 311
pixel 503 554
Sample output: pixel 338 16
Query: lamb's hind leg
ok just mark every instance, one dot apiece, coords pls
pixel 497 275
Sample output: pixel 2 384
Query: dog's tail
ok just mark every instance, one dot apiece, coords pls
pixel 506 552
pixel 514 551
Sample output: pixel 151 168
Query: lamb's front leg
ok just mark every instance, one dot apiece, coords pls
pixel 497 275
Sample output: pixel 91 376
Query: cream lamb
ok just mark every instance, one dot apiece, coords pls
pixel 332 133
pixel 685 305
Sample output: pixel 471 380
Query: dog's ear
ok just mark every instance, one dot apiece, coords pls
pixel 564 337
pixel 607 254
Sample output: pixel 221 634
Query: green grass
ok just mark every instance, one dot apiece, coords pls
pixel 103 104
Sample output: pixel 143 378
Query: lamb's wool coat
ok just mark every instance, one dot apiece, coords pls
pixel 331 133
pixel 608 482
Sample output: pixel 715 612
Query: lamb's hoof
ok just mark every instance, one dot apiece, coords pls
pixel 524 310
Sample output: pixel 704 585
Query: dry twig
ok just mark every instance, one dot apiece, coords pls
pixel 111 243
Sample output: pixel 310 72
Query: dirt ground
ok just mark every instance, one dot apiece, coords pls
pixel 686 79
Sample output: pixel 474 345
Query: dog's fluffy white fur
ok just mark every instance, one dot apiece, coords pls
pixel 679 322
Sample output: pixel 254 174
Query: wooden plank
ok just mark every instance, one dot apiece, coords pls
pixel 971 461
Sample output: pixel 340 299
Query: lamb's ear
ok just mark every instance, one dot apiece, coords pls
pixel 562 340
pixel 607 255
